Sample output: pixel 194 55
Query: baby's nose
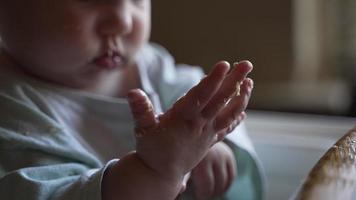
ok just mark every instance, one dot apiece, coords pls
pixel 116 20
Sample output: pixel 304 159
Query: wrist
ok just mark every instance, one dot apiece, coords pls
pixel 165 173
pixel 131 178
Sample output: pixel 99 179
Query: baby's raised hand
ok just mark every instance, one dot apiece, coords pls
pixel 215 173
pixel 173 143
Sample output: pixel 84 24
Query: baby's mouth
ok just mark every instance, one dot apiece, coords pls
pixel 110 60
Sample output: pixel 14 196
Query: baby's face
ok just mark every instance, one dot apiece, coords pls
pixel 74 42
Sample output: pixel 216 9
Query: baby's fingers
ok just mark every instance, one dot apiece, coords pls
pixel 203 181
pixel 142 111
pixel 192 103
pixel 221 179
pixel 231 114
pixel 227 89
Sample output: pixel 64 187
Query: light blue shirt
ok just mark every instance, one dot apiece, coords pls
pixel 55 143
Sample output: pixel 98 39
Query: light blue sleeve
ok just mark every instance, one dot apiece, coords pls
pixel 39 159
pixel 172 81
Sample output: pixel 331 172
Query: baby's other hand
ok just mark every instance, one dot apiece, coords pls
pixel 215 173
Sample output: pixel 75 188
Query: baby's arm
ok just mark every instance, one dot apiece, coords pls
pixel 171 145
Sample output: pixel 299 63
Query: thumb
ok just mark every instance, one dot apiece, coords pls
pixel 142 111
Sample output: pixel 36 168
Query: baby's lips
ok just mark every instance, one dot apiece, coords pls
pixel 110 61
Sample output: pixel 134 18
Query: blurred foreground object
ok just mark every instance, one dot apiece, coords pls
pixel 334 175
pixel 290 144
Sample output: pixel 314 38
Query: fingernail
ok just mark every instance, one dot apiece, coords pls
pixel 235 63
pixel 203 77
pixel 136 95
pixel 240 117
pixel 251 83
pixel 250 65
pixel 246 62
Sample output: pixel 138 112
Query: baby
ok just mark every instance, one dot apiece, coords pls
pixel 90 111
